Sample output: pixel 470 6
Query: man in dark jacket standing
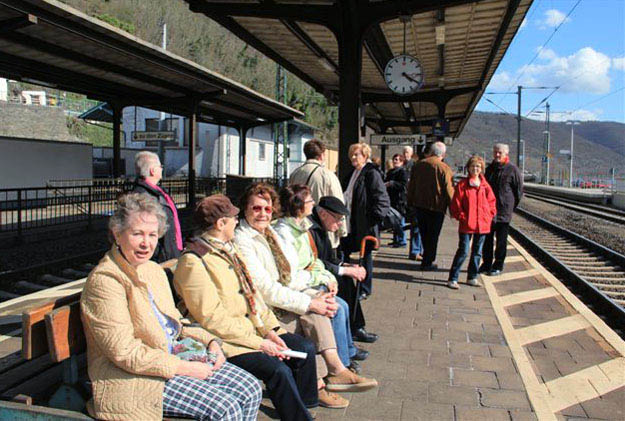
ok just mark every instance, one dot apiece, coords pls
pixel 429 192
pixel 149 173
pixel 327 217
pixel 507 183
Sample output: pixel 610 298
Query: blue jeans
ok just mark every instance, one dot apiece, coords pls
pixel 416 246
pixel 399 235
pixel 342 333
pixel 461 254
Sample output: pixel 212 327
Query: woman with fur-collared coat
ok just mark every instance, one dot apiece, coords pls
pixel 133 330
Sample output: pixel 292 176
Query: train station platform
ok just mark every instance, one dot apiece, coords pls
pixel 519 347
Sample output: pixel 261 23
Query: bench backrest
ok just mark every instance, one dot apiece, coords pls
pixel 34 329
pixel 64 331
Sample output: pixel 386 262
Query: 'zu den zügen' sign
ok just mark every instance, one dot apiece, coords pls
pixel 397 139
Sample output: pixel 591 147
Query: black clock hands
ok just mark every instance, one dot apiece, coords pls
pixel 404 74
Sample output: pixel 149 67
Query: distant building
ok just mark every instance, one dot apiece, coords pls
pixel 4 89
pixel 218 146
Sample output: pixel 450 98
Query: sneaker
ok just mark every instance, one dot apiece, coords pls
pixel 354 367
pixel 494 272
pixel 332 400
pixel 473 282
pixel 452 285
pixel 347 381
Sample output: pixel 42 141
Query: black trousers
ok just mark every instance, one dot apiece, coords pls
pixel 430 225
pixel 499 230
pixel 291 384
pixel 347 291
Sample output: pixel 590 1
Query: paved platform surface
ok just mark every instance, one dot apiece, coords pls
pixel 443 354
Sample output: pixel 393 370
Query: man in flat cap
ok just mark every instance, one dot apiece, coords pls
pixel 327 218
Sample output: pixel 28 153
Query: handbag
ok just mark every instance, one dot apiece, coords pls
pixel 392 220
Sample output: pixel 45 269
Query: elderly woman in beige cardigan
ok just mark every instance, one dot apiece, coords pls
pixel 133 330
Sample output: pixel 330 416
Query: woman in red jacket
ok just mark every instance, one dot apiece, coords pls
pixel 474 206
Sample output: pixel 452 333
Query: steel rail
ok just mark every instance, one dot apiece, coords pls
pixel 612 215
pixel 613 312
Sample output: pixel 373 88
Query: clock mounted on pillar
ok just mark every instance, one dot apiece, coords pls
pixel 403 74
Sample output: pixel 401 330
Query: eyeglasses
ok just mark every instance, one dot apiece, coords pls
pixel 258 208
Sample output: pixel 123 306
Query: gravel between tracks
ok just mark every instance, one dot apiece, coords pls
pixel 606 233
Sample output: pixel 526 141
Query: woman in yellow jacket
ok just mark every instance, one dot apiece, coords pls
pixel 142 362
pixel 217 290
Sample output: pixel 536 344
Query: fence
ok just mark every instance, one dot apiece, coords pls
pixel 82 201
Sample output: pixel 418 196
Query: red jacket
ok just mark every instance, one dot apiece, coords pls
pixel 474 207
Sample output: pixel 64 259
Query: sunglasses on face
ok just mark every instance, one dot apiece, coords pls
pixel 258 208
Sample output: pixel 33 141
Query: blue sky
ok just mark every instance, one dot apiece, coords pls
pixel 585 58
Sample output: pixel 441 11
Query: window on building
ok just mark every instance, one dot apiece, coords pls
pixel 166 125
pixel 262 151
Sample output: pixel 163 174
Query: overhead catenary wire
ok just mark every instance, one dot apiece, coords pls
pixel 541 48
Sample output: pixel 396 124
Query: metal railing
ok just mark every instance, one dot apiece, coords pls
pixel 87 200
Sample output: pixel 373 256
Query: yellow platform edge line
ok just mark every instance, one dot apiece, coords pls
pixel 535 391
pixel 512 276
pixel 551 329
pixel 527 296
pixel 586 384
pixel 599 325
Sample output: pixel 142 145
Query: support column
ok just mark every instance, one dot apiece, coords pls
pixel 518 129
pixel 441 105
pixel 192 144
pixel 117 117
pixel 350 64
pixel 242 148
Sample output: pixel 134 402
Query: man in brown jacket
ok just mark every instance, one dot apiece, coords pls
pixel 429 192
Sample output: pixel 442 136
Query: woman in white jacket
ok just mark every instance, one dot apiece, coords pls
pixel 274 269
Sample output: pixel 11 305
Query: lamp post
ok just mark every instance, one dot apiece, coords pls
pixel 571 123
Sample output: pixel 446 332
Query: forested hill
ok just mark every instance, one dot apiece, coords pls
pixel 598 145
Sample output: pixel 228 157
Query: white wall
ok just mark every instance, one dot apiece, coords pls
pixel 3 89
pixel 32 163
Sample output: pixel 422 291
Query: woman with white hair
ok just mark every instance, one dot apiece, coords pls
pixel 143 362
pixel 368 202
pixel 149 173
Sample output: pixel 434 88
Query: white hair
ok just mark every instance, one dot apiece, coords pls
pixel 502 147
pixel 438 149
pixel 131 204
pixel 408 149
pixel 145 160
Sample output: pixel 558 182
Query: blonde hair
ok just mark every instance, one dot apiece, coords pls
pixel 362 147
pixel 476 159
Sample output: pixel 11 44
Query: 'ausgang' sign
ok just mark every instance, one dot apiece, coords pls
pixel 397 139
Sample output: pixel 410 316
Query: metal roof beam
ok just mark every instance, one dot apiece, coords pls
pixel 14 24
pixel 417 123
pixel 240 108
pixel 428 96
pixel 310 43
pixel 381 11
pixel 319 14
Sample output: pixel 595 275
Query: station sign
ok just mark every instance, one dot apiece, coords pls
pixel 440 127
pixel 165 136
pixel 397 139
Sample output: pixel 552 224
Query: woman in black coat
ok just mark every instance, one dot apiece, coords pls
pixel 396 184
pixel 368 202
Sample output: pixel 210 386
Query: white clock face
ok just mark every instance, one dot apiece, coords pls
pixel 403 75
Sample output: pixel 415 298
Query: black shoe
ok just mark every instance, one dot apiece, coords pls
pixel 426 268
pixel 483 269
pixel 494 272
pixel 361 335
pixel 361 354
pixel 354 367
pixel 412 256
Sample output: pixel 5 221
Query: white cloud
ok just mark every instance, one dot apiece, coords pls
pixel 500 80
pixel 583 71
pixel 581 115
pixel 618 63
pixel 553 18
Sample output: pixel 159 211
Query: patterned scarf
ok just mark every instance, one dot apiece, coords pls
pixel 245 279
pixel 284 268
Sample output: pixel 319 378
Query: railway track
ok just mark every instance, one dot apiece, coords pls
pixel 599 211
pixel 597 272
pixel 23 281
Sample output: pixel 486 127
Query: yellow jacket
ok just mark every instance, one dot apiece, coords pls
pixel 212 294
pixel 128 359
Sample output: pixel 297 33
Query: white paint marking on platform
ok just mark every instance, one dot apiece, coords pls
pixel 511 276
pixel 527 296
pixel 553 328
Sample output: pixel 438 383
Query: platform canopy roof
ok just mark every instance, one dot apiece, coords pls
pixel 48 43
pixel 459 43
